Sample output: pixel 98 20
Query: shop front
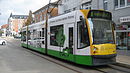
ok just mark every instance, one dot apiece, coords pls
pixel 123 39
pixel 123 34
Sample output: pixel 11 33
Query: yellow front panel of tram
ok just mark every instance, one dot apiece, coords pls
pixel 104 49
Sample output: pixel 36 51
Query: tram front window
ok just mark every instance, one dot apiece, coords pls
pixel 83 37
pixel 101 31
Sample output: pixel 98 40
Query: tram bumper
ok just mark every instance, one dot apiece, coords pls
pixel 103 59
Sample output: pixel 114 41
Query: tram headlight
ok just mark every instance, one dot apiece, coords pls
pixel 94 49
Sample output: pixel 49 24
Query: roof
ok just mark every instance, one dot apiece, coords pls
pixel 44 7
pixel 18 16
pixel 5 26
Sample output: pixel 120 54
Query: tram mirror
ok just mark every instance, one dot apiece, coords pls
pixel 113 25
pixel 83 21
pixel 81 18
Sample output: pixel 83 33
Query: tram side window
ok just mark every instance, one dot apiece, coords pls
pixel 56 35
pixel 43 42
pixel 23 36
pixel 83 37
pixel 29 35
pixel 42 32
pixel 34 34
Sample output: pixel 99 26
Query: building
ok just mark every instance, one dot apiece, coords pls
pixel 119 8
pixel 4 30
pixel 40 14
pixel 15 24
pixel 0 31
pixel 70 5
pixel 120 11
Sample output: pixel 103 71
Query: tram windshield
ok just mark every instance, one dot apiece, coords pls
pixel 101 30
pixel 83 37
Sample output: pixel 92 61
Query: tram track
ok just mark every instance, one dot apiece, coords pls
pixel 122 65
pixel 121 68
pixel 77 71
pixel 40 55
pixel 99 70
pixel 113 66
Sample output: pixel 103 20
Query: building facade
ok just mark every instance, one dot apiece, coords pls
pixel 119 8
pixel 4 29
pixel 70 5
pixel 40 14
pixel 120 11
pixel 15 24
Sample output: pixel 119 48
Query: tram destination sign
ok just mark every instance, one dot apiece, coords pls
pixel 100 14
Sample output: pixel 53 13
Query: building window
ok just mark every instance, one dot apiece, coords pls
pixel 86 6
pixel 116 3
pixel 65 0
pixel 122 3
pixel 74 9
pixel 105 4
pixel 67 11
pixel 128 2
pixel 36 19
pixel 44 16
pixel 41 17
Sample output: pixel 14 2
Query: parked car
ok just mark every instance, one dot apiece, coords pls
pixel 2 42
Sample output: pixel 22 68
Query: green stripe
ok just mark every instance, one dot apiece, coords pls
pixel 61 55
pixel 85 60
pixel 23 45
pixel 79 59
pixel 34 48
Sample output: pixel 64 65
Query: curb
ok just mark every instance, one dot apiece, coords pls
pixel 123 65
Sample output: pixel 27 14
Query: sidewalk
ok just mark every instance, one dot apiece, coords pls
pixel 123 56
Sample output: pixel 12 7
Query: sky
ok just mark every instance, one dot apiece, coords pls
pixel 19 7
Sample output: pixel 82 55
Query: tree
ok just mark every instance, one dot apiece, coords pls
pixel 1 32
pixel 29 19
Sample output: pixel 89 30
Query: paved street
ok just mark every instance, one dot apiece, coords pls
pixel 123 56
pixel 15 59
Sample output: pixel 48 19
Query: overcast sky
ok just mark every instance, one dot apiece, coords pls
pixel 19 7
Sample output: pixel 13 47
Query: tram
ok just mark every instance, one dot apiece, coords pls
pixel 83 36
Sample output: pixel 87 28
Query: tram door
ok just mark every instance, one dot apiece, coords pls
pixel 70 42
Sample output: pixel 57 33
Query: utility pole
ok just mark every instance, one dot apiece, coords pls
pixel 46 25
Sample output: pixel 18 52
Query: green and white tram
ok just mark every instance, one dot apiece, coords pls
pixel 83 36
